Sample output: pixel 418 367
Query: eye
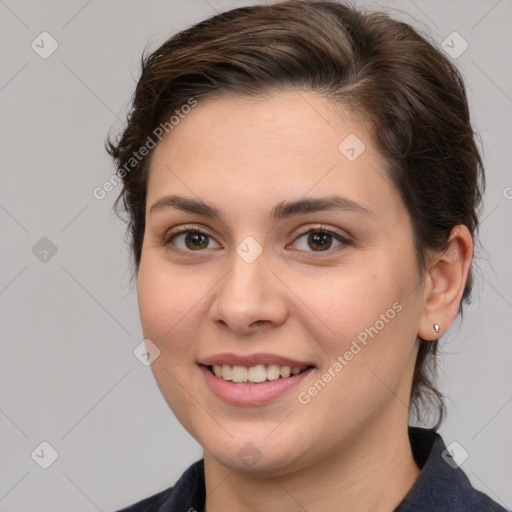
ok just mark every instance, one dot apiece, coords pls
pixel 319 240
pixel 190 240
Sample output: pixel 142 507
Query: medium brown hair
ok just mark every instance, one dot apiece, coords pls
pixel 412 95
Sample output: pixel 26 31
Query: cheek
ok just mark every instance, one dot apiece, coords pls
pixel 345 301
pixel 169 305
pixel 166 299
pixel 169 301
pixel 364 320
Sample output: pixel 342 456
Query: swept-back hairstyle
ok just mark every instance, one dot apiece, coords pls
pixel 410 93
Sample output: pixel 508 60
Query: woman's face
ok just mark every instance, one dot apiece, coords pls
pixel 275 240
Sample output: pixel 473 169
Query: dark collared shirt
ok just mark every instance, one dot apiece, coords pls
pixel 440 487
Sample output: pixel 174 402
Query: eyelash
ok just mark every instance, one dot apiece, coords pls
pixel 318 229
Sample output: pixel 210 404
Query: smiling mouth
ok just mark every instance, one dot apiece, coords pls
pixel 255 374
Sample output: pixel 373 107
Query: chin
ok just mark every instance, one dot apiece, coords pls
pixel 257 453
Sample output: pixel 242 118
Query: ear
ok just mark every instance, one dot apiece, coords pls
pixel 445 282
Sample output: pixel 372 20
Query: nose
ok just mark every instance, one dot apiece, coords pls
pixel 249 297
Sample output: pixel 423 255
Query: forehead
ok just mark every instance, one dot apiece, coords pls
pixel 294 120
pixel 259 148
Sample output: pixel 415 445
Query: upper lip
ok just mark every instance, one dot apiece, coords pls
pixel 251 360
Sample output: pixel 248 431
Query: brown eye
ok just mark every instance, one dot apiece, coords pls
pixel 320 241
pixel 191 240
pixel 196 240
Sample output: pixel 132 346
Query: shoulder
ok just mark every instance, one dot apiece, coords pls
pixel 151 504
pixel 187 494
pixel 442 485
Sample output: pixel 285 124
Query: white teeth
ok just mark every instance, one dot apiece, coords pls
pixel 285 371
pixel 227 372
pixel 273 372
pixel 256 374
pixel 239 374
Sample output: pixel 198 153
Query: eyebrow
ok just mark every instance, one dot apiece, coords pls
pixel 280 211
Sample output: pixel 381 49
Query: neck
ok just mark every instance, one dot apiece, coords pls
pixel 371 472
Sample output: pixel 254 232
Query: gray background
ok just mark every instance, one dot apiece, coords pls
pixel 70 323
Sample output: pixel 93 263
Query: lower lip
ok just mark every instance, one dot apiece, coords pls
pixel 248 393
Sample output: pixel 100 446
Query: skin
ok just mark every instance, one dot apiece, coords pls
pixel 347 449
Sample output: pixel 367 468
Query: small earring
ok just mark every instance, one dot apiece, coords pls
pixel 436 327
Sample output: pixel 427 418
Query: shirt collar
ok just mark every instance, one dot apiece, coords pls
pixel 441 486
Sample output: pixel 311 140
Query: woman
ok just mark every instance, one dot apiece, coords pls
pixel 302 184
